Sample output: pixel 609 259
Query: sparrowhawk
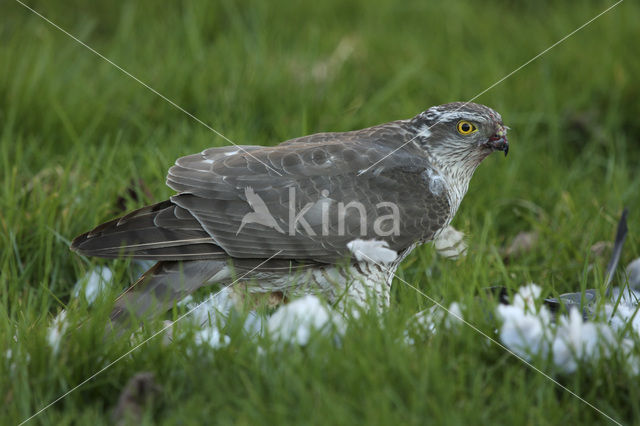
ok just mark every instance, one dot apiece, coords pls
pixel 313 206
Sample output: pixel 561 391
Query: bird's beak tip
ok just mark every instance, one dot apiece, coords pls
pixel 498 143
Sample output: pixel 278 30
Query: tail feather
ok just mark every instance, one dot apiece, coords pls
pixel 162 231
pixel 163 285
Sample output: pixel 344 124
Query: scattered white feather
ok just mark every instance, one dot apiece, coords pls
pixel 430 320
pixel 622 310
pixel 97 279
pixel 633 274
pixel 211 316
pixel 524 329
pixel 454 315
pixel 530 332
pixel 372 251
pixel 186 301
pixel 576 339
pixel 93 283
pixel 628 297
pixel 255 324
pixel 294 322
pixel 213 337
pixel 297 321
pixel 13 364
pixel 450 243
pixel 213 310
pixel 167 336
pixel 525 332
pixel 628 346
pixel 526 296
pixel 56 330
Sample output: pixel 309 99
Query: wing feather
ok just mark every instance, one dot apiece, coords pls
pixel 310 174
pixel 153 232
pixel 315 178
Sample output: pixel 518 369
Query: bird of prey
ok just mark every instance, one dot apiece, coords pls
pixel 328 213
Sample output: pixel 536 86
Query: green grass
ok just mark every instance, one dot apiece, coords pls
pixel 75 132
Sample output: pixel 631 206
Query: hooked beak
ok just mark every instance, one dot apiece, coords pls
pixel 498 142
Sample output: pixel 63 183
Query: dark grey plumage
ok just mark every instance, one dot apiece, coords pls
pixel 421 166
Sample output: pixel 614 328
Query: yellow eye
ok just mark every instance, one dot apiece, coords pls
pixel 466 128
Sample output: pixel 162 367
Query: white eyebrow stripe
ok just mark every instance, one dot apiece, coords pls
pixel 455 115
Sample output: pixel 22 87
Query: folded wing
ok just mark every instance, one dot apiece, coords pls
pixel 301 200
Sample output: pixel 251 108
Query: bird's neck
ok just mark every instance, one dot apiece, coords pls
pixel 457 171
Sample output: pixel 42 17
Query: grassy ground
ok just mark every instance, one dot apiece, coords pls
pixel 75 133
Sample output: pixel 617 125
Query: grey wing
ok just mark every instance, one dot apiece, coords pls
pixel 312 198
pixel 302 200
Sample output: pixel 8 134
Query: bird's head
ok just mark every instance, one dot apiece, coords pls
pixel 461 134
